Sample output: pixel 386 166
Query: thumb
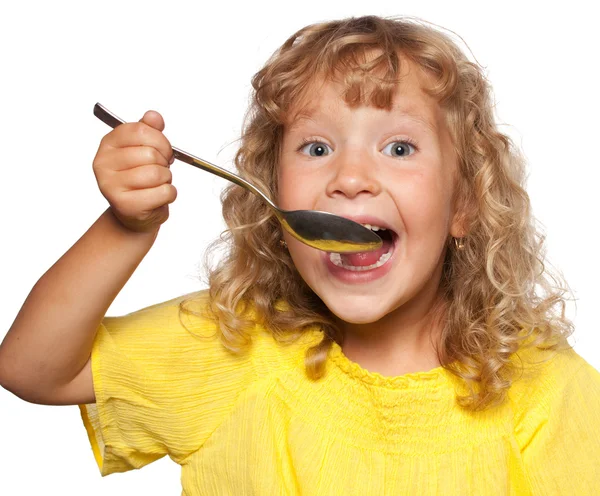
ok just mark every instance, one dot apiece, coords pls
pixel 153 119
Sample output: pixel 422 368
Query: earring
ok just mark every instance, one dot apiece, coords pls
pixel 282 243
pixel 459 243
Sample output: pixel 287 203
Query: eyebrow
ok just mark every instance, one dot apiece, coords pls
pixel 414 115
pixel 409 112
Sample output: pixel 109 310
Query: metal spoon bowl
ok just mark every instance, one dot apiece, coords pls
pixel 321 230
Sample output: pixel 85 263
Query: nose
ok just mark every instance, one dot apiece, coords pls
pixel 354 173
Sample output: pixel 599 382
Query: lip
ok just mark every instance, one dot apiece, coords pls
pixel 361 277
pixel 369 219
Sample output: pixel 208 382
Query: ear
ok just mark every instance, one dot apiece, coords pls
pixel 461 220
pixel 458 228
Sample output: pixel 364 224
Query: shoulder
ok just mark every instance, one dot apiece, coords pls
pixel 556 419
pixel 546 373
pixel 186 324
pixel 166 315
pixel 164 312
pixel 185 318
pixel 550 369
pixel 551 384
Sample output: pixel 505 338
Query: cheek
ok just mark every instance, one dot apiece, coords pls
pixel 307 262
pixel 424 203
pixel 287 191
pixel 296 190
pixel 280 185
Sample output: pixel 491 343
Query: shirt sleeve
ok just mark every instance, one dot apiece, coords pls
pixel 161 387
pixel 559 434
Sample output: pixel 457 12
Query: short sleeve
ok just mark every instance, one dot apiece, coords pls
pixel 161 387
pixel 559 434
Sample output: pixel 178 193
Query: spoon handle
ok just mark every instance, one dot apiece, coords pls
pixel 113 121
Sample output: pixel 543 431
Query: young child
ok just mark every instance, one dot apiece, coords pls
pixel 436 365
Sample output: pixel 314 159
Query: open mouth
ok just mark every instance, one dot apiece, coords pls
pixel 368 260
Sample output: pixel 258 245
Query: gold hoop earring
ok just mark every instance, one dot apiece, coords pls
pixel 282 243
pixel 459 243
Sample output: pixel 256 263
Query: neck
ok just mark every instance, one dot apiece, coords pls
pixel 403 341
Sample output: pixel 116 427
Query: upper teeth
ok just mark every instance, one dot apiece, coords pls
pixel 374 228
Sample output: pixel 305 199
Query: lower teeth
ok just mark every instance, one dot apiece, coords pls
pixel 336 259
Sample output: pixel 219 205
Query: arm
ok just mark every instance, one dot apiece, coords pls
pixel 44 354
pixel 44 357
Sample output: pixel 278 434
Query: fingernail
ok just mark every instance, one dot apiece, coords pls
pixel 172 160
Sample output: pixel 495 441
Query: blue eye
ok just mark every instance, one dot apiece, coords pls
pixel 399 149
pixel 316 149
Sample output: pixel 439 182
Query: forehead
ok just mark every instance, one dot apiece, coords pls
pixel 324 96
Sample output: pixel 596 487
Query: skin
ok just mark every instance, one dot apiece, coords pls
pixel 389 323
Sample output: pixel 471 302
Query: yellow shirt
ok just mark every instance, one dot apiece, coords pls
pixel 256 425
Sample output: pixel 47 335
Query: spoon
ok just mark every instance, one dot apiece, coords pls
pixel 321 230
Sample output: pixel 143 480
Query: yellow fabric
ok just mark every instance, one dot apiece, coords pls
pixel 255 424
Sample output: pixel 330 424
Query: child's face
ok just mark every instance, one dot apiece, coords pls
pixel 360 165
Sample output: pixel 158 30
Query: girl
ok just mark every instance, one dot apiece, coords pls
pixel 437 365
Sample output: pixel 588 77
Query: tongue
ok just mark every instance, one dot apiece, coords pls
pixel 364 258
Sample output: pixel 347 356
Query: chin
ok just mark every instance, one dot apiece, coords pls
pixel 356 312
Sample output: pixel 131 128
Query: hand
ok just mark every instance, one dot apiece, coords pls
pixel 132 171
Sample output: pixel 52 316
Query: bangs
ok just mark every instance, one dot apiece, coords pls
pixel 369 68
pixel 369 76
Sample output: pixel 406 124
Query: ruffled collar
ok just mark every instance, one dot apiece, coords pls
pixel 353 370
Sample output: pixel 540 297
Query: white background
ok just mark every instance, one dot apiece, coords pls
pixel 193 62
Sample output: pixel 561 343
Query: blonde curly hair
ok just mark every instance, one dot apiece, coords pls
pixel 492 308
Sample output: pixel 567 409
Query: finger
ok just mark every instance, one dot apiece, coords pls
pixel 143 201
pixel 132 157
pixel 153 119
pixel 138 134
pixel 144 176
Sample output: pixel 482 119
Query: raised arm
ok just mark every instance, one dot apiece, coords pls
pixel 44 357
